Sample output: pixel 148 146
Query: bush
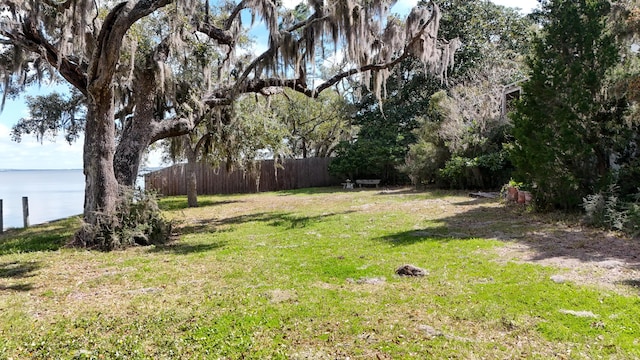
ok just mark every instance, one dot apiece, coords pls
pixel 604 210
pixel 487 171
pixel 633 219
pixel 608 211
pixel 423 162
pixel 137 221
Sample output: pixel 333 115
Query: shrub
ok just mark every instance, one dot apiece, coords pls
pixel 607 210
pixel 487 171
pixel 633 219
pixel 137 221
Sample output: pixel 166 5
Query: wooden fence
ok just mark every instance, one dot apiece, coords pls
pixel 294 174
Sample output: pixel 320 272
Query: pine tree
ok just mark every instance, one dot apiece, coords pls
pixel 563 123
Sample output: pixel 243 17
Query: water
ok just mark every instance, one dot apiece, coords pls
pixel 53 194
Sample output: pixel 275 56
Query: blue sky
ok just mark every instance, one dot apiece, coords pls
pixel 31 154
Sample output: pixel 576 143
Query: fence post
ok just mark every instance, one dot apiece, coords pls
pixel 1 221
pixel 25 211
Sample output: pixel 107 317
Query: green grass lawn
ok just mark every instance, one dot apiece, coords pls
pixel 308 275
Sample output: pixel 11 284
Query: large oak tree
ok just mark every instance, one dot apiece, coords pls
pixel 92 45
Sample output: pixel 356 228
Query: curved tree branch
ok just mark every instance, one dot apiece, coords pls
pixel 34 41
pixel 170 128
pixel 222 36
pixel 115 26
pixel 234 14
pixel 243 85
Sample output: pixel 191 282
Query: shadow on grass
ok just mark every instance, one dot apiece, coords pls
pixel 185 249
pixel 180 203
pixel 46 237
pixel 545 237
pixel 276 219
pixel 313 191
pixel 390 191
pixel 429 193
pixel 438 234
pixel 634 283
pixel 282 220
pixel 17 270
pixel 17 287
pixel 475 201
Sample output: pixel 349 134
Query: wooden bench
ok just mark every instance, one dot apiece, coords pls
pixel 361 182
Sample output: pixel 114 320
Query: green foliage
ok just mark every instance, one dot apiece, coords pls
pixel 238 134
pixel 603 209
pixel 608 210
pixel 137 221
pixel 255 132
pixel 386 134
pixel 429 153
pixel 626 177
pixel 566 129
pixel 488 31
pixel 455 171
pixel 50 114
pixel 424 160
pixel 461 136
pixel 465 145
pixel 487 171
pixel 314 126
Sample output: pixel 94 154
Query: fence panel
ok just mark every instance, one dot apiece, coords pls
pixel 289 174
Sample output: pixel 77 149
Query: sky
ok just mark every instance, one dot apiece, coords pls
pixel 31 154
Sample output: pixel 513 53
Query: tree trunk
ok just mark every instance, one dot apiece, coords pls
pixel 137 134
pixel 143 129
pixel 140 132
pixel 128 158
pixel 101 193
pixel 192 180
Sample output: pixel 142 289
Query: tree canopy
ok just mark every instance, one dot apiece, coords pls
pixel 565 124
pixel 446 132
pixel 95 46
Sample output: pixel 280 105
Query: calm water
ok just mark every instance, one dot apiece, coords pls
pixel 53 194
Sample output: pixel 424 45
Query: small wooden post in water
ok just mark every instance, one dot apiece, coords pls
pixel 1 222
pixel 25 211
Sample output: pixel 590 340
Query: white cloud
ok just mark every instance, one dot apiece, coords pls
pixel 30 154
pixel 290 4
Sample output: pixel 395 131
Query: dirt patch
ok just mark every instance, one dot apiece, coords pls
pixel 282 296
pixel 584 257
